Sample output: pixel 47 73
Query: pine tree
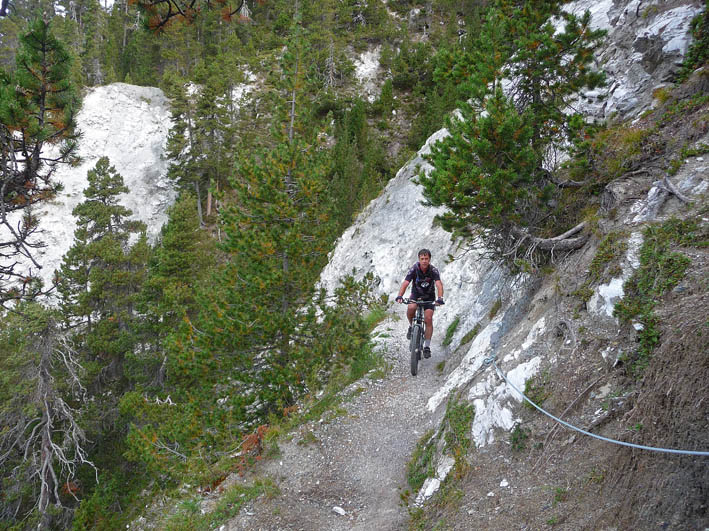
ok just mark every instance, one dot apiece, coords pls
pixel 37 106
pixel 550 68
pixel 200 143
pixel 101 275
pixel 10 28
pixel 213 137
pixel 491 171
pixel 358 165
pixel 181 138
pixel 93 31
pixel 484 171
pixel 160 13
pixel 277 237
pixel 177 266
pixel 42 443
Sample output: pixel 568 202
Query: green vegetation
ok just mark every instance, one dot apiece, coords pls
pixel 173 354
pixel 469 336
pixel 421 464
pixel 596 476
pixel 616 147
pixel 536 389
pixel 604 264
pixel 454 433
pixel 456 427
pixel 662 94
pixel 448 498
pixel 189 517
pixel 679 108
pixel 609 251
pixel 488 171
pixel 38 103
pixel 495 308
pixel 417 519
pixel 560 495
pixel 163 358
pixel 451 330
pixel 661 269
pixel 685 153
pixel 698 53
pixel 518 437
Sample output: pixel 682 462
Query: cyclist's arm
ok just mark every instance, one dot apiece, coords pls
pixel 439 287
pixel 402 289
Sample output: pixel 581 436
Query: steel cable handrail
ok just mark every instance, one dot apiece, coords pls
pixel 606 439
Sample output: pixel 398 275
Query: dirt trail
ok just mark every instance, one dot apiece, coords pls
pixel 357 461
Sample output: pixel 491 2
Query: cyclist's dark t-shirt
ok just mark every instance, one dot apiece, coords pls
pixel 423 285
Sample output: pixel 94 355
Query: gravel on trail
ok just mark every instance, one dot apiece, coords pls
pixel 354 463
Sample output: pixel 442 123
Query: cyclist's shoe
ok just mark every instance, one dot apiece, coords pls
pixel 426 352
pixel 408 333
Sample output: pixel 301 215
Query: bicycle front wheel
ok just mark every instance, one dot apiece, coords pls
pixel 415 347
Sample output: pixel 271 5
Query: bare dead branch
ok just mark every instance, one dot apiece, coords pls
pixel 162 446
pixel 668 186
pixel 563 242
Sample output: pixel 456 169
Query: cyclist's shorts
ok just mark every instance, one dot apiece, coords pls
pixel 430 306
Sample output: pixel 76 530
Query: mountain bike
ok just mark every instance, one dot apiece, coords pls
pixel 417 333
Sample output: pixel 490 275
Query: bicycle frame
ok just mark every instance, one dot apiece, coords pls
pixel 418 332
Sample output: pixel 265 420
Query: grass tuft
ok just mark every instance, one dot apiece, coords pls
pixel 661 269
pixel 450 331
pixel 467 338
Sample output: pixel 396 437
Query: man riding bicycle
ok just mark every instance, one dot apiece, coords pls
pixel 424 277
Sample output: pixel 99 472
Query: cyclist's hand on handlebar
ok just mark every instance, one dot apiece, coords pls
pixel 399 299
pixel 439 301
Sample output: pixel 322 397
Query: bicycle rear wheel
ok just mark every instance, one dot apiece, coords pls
pixel 415 348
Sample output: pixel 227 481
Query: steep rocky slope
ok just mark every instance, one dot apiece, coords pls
pixel 553 336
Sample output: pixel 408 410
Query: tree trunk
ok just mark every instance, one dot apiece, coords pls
pixel 563 242
pixel 199 203
pixel 45 392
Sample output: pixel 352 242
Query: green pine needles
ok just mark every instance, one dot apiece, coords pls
pixel 490 172
pixel 37 106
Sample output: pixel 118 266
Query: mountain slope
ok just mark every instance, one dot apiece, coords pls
pixel 556 338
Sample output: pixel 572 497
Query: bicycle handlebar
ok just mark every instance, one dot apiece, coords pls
pixel 419 302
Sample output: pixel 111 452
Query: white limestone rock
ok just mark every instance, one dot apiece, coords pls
pixel 608 294
pixel 431 485
pixel 645 46
pixel 366 69
pixel 129 125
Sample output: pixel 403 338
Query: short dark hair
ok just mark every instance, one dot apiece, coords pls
pixel 425 252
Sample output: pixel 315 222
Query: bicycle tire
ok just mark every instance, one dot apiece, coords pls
pixel 415 348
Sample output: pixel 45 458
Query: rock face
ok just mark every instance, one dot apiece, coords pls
pixel 385 240
pixel 129 125
pixel 644 48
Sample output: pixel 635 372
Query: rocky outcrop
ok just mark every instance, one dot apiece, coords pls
pixel 129 125
pixel 643 51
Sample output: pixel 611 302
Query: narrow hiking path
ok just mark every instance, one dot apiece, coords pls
pixel 355 461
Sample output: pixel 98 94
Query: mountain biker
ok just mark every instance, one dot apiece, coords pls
pixel 424 277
